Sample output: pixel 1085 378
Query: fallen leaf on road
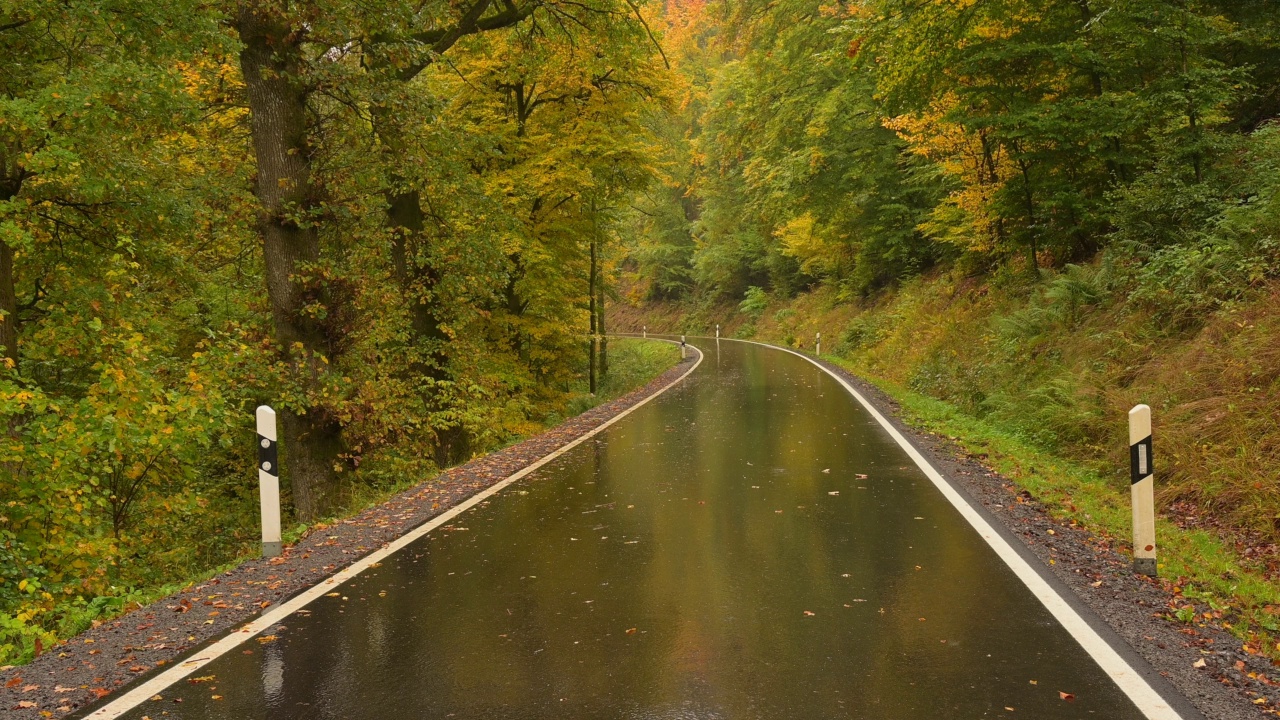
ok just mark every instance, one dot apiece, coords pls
pixel 828 470
pixel 834 492
pixel 15 681
pixel 860 476
pixel 1199 663
pixel 1069 697
pixel 267 638
pixel 631 631
pixel 24 704
pixel 809 613
pixel 215 697
pixel 1035 682
pixel 332 594
pixel 1006 707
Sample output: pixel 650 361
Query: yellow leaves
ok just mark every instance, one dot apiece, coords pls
pixel 801 239
pixel 966 218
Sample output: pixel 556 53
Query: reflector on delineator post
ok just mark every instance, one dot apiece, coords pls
pixel 269 481
pixel 1142 490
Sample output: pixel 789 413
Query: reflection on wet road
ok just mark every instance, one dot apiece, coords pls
pixel 749 545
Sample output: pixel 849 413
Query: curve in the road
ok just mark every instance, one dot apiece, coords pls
pixel 1121 670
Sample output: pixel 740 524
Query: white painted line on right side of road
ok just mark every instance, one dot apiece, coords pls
pixel 1129 680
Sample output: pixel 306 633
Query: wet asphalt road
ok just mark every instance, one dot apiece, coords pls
pixel 748 545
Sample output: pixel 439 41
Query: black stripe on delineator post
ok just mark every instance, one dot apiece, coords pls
pixel 267 460
pixel 1140 465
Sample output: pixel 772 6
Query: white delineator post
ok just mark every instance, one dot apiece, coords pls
pixel 717 331
pixel 817 345
pixel 682 351
pixel 1142 489
pixel 644 331
pixel 268 481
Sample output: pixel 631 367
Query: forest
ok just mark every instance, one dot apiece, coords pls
pixel 391 222
pixel 407 227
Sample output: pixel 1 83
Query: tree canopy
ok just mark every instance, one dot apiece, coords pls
pixel 399 223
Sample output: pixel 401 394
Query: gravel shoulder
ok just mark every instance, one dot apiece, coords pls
pixel 84 671
pixel 1203 662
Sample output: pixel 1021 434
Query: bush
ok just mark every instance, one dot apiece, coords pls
pixel 754 303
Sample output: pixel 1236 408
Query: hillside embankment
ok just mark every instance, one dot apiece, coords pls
pixel 1037 377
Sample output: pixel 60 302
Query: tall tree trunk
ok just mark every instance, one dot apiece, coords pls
pixel 591 302
pixel 1029 201
pixel 272 64
pixel 8 305
pixel 406 221
pixel 604 341
pixel 10 184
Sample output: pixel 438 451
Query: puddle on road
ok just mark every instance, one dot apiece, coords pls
pixel 749 545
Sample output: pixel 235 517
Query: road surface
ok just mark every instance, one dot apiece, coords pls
pixel 750 544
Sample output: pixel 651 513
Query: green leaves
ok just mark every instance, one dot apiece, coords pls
pixel 142 331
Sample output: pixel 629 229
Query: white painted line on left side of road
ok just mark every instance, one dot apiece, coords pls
pixel 152 687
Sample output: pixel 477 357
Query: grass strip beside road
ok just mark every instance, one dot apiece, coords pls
pixel 1203 573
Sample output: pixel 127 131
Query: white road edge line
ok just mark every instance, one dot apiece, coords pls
pixel 152 687
pixel 1149 702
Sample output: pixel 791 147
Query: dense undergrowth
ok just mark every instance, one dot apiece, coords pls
pixel 34 615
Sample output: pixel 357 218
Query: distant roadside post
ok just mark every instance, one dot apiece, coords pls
pixel 817 345
pixel 268 481
pixel 682 350
pixel 1142 489
pixel 717 331
pixel 644 331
